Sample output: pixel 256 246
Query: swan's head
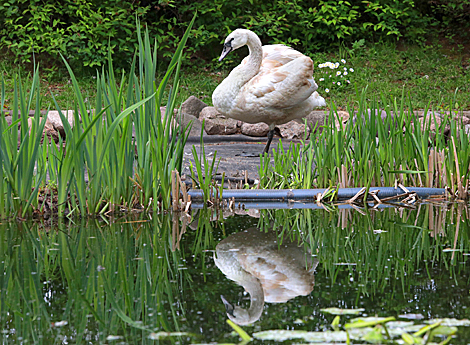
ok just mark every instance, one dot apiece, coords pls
pixel 239 315
pixel 235 40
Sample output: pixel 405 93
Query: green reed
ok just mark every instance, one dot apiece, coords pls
pixel 100 167
pixel 372 151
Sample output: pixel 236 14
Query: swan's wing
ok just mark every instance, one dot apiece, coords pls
pixel 282 87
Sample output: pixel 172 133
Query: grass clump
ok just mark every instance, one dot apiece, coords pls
pixel 101 165
pixel 376 151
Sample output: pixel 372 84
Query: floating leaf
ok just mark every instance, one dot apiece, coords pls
pixel 245 337
pixel 161 335
pixel 444 330
pixel 339 311
pixel 411 316
pixel 367 321
pixel 450 322
pixel 282 335
pixel 374 336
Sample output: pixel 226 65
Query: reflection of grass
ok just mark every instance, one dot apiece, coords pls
pixel 380 247
pixel 112 279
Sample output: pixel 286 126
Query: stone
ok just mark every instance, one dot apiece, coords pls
pixel 196 125
pixel 316 120
pixel 254 129
pixel 208 113
pixel 220 126
pixel 54 118
pixel 216 123
pixel 292 129
pixel 49 130
pixel 342 119
pixel 9 120
pixel 193 106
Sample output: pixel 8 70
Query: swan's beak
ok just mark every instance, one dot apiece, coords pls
pixel 227 49
pixel 228 307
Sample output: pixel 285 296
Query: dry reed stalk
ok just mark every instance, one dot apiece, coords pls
pixel 459 215
pixel 358 194
pixel 374 195
pixel 431 168
pixel 401 176
pixel 419 174
pixel 457 169
pixel 173 189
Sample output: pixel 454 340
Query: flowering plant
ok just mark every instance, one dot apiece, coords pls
pixel 334 75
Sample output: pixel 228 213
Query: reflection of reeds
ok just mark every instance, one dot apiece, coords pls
pixel 383 245
pixel 103 280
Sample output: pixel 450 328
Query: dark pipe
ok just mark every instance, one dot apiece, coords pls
pixel 310 194
pixel 264 205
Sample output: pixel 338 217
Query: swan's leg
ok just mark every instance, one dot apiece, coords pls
pixel 270 138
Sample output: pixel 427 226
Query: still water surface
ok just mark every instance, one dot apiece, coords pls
pixel 122 282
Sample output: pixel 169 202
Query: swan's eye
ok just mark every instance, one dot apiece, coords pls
pixel 229 43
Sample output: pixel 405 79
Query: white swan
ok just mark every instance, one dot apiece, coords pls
pixel 269 272
pixel 274 84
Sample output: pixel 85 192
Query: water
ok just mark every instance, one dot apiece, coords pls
pixel 98 281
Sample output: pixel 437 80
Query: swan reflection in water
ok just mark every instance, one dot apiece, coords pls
pixel 269 272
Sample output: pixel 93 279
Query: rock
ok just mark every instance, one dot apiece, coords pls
pixel 9 120
pixel 193 106
pixel 255 129
pixel 49 130
pixel 342 119
pixel 216 123
pixel 208 113
pixel 292 129
pixel 196 125
pixel 316 118
pixel 55 120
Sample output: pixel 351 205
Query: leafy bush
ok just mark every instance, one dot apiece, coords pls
pixel 81 30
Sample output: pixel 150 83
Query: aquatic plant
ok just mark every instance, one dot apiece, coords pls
pixel 375 150
pixel 100 167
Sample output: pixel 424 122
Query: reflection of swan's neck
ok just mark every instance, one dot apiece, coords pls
pixel 241 316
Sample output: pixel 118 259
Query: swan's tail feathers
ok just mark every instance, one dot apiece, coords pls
pixel 319 100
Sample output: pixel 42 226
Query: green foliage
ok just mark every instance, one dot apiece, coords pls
pixel 79 30
pixel 97 167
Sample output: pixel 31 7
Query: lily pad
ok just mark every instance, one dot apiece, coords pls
pixel 161 335
pixel 450 322
pixel 339 311
pixel 313 337
pixel 282 335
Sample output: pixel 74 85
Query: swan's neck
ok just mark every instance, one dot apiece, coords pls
pixel 247 316
pixel 251 68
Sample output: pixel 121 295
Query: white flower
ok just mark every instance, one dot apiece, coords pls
pixel 321 79
pixel 337 65
pixel 339 83
pixel 343 60
pixel 345 73
pixel 345 68
pixel 338 73
pixel 321 65
pixel 329 76
pixel 348 81
pixel 327 90
pixel 351 70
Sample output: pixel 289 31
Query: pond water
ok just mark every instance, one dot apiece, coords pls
pixel 124 281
